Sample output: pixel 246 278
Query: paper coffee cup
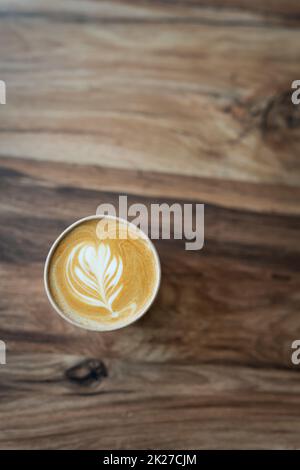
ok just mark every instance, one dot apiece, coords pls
pixel 101 285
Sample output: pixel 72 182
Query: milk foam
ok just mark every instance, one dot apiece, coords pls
pixel 98 273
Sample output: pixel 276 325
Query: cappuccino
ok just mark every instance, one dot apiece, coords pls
pixel 102 276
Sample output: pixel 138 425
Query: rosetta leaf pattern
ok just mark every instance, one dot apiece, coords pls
pixel 94 275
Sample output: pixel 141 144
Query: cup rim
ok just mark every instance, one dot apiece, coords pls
pixel 49 257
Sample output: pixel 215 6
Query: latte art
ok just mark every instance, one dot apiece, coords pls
pixel 103 283
pixel 93 275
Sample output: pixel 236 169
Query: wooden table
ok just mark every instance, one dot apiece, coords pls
pixel 163 101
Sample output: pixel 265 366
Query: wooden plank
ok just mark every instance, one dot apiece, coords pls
pixel 160 406
pixel 253 197
pixel 213 99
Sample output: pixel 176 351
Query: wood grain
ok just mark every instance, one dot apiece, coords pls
pixel 213 351
pixel 178 101
pixel 122 85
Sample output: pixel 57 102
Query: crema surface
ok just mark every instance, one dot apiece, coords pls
pixel 102 282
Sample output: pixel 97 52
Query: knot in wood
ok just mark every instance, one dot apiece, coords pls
pixel 87 373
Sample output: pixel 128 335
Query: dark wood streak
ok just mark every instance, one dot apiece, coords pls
pixel 64 18
pixel 167 11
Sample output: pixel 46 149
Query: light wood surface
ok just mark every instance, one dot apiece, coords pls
pixel 163 101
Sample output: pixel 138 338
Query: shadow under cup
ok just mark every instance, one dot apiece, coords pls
pixel 102 273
